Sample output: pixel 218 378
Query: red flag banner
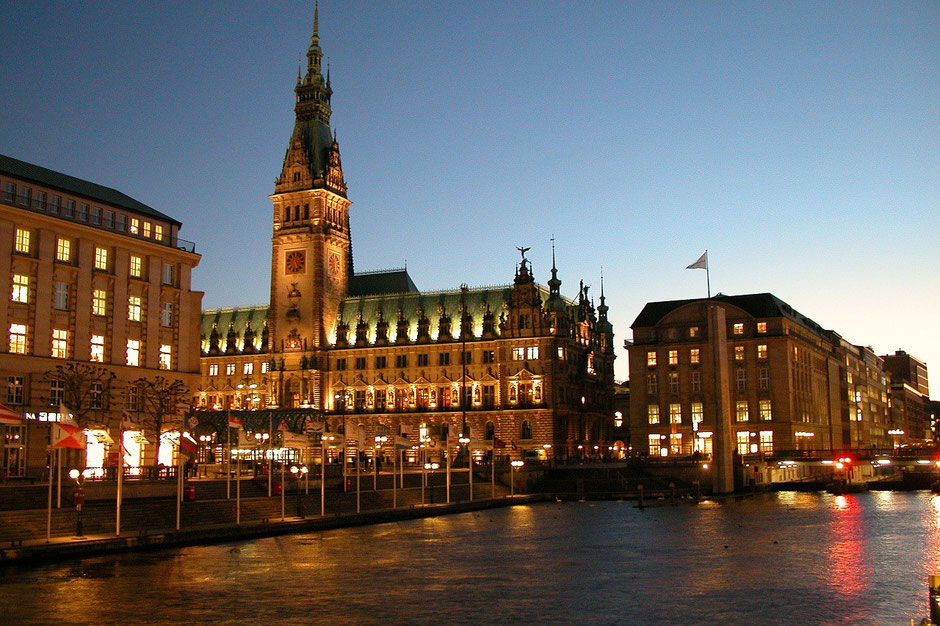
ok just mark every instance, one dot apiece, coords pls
pixel 234 422
pixel 498 443
pixel 187 447
pixel 9 417
pixel 68 435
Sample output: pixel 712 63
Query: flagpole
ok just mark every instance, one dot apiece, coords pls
pixel 49 509
pixel 179 479
pixel 358 460
pixel 58 471
pixel 269 453
pixel 120 481
pixel 238 489
pixel 395 471
pixel 447 450
pixel 228 460
pixel 708 280
pixel 323 472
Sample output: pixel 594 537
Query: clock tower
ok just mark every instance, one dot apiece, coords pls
pixel 311 257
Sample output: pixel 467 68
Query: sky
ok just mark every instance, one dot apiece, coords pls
pixel 797 142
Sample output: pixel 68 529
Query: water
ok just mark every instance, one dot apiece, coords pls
pixel 781 558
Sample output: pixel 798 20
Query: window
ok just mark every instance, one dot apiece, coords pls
pixel 9 193
pixel 526 430
pixel 63 250
pixel 21 244
pixel 146 229
pixel 422 360
pixel 744 442
pixel 652 412
pixel 444 357
pixel 693 332
pixel 109 219
pixel 739 353
pixel 97 348
pixel 762 351
pixel 738 329
pixel 381 362
pixel 740 380
pixel 264 367
pixel 167 274
pixel 401 360
pixel 132 398
pixel 136 267
pixel 166 354
pixel 673 357
pixel 120 223
pixel 101 259
pixel 532 353
pixel 675 443
pixel 696 381
pixel 698 415
pixel 56 393
pixel 675 413
pixel 26 195
pixel 695 356
pixel 489 396
pixel 60 344
pixel 652 384
pixel 166 314
pixel 466 357
pixel 761 327
pixel 54 203
pixel 767 441
pixel 340 364
pixel 18 338
pixel 654 445
pixel 133 308
pixel 69 208
pixel 158 232
pixel 135 226
pixel 229 369
pixel 214 369
pixel 765 413
pixel 39 201
pixel 20 288
pixel 95 396
pixel 651 358
pixel 83 212
pixel 858 396
pixel 740 412
pixel 99 302
pixel 763 378
pixel 360 362
pixel 133 352
pixel 248 368
pixel 15 390
pixel 60 294
pixel 518 354
pixel 95 215
pixel 673 382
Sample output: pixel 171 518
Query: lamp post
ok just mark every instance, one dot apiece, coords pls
pixel 79 498
pixel 299 473
pixel 430 466
pixel 205 440
pixel 465 440
pixel 379 440
pixel 262 439
pixel 512 481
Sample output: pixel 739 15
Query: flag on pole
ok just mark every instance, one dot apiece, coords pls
pixel 498 443
pixel 128 422
pixel 234 422
pixel 68 435
pixel 701 264
pixel 187 446
pixel 402 442
pixel 313 427
pixel 8 417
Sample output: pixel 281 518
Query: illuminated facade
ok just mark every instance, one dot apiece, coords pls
pixel 517 362
pixel 96 277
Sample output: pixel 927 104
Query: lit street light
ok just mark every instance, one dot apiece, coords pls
pixel 512 482
pixel 79 498
pixel 299 473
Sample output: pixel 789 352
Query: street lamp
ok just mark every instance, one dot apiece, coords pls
pixel 431 466
pixel 79 498
pixel 262 439
pixel 512 482
pixel 465 441
pixel 299 473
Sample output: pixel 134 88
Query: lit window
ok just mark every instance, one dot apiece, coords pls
pixel 63 250
pixel 99 302
pixel 653 413
pixel 136 267
pixel 651 358
pixel 518 354
pixel 762 351
pixel 134 228
pixel 698 415
pixel 675 413
pixel 166 314
pixel 738 329
pixel 693 331
pixel 673 382
pixel 18 338
pixel 56 392
pixel 133 352
pixel 618 419
pixel 60 295
pixel 165 356
pixel 654 445
pixel 22 241
pixel 264 367
pixel 739 353
pixel 158 232
pixel 20 288
pixel 561 355
pixel 133 308
pixel 740 380
pixel 767 441
pixel 532 353
pixel 695 356
pixel 765 413
pixel 673 357
pixel 146 232
pixel 740 413
pixel 229 369
pixel 858 396
pixel 97 348
pixel 167 274
pixel 15 390
pixel 60 344
pixel 249 368
pixel 858 414
pixel 696 381
pixel 744 442
pixel 101 259
pixel 675 443
pixel 761 327
pixel 214 370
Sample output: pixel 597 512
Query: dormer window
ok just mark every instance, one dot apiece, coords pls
pixel 296 177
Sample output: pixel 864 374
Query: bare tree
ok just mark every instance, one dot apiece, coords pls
pixel 85 391
pixel 162 403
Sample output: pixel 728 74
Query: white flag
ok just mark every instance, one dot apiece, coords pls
pixel 701 264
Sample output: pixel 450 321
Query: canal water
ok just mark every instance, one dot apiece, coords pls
pixel 773 559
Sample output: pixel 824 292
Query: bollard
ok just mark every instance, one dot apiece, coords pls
pixel 639 491
pixel 934 582
pixel 672 488
pixel 698 489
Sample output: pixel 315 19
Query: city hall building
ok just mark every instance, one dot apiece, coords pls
pixel 517 363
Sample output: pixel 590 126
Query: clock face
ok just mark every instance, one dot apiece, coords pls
pixel 334 264
pixel 295 262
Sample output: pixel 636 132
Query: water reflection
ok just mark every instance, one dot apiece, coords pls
pixel 777 558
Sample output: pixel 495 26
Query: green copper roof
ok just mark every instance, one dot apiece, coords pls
pixel 381 283
pixel 240 316
pixel 69 184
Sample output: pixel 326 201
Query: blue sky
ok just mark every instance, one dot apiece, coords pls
pixel 798 142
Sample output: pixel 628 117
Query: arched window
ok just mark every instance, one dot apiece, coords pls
pixel 297 212
pixel 287 214
pixel 490 431
pixel 526 430
pixel 306 211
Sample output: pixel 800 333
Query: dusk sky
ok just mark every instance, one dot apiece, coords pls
pixel 797 142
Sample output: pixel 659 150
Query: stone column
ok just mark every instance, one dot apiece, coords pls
pixel 722 444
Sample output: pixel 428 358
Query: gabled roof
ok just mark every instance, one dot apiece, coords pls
pixel 240 316
pixel 77 186
pixel 381 283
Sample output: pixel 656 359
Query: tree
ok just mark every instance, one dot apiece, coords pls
pixel 85 390
pixel 161 404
